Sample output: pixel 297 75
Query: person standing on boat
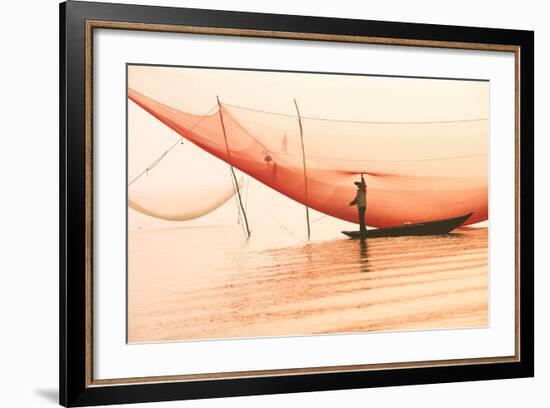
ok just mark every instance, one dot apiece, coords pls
pixel 361 201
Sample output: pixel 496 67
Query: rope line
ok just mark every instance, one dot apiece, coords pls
pixel 163 155
pixel 381 161
pixel 347 160
pixel 422 122
pixel 356 160
pixel 328 215
pixel 275 218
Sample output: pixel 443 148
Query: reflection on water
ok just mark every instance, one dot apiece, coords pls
pixel 363 255
pixel 208 288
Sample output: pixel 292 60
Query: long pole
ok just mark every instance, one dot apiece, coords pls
pixel 305 171
pixel 231 167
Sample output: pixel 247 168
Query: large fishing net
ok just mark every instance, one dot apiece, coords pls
pixel 415 171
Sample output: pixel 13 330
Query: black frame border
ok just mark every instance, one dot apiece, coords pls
pixel 74 390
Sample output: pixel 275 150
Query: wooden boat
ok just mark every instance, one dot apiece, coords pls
pixel 438 227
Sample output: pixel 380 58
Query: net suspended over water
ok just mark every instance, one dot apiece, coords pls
pixel 415 171
pixel 180 205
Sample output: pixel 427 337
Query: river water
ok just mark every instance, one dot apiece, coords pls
pixel 190 283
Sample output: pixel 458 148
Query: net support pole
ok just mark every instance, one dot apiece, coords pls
pixel 231 167
pixel 305 169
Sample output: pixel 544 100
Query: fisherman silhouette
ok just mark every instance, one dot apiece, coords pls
pixel 361 201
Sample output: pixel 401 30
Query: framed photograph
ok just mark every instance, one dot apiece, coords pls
pixel 257 203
